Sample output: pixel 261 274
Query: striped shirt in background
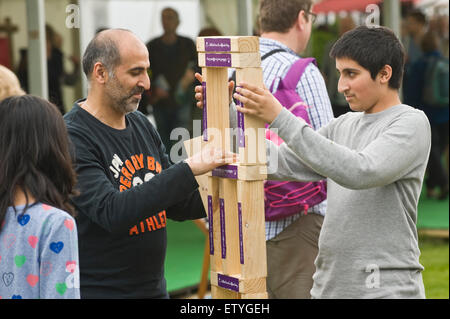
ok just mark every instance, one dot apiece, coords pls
pixel 312 90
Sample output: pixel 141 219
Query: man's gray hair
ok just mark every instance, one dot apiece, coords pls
pixel 103 49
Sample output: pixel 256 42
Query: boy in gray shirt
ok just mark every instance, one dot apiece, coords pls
pixel 374 160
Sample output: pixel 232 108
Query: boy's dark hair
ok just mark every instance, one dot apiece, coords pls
pixel 373 48
pixel 280 15
pixel 34 154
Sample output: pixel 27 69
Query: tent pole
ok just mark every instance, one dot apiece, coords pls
pixel 37 53
pixel 245 17
pixel 392 15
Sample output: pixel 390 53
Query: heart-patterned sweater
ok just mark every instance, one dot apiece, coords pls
pixel 38 254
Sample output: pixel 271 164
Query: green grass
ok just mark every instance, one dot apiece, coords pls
pixel 434 214
pixel 434 257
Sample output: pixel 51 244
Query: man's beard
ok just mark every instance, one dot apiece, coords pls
pixel 129 103
pixel 120 102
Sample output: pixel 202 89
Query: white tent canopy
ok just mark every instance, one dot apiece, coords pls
pixel 231 17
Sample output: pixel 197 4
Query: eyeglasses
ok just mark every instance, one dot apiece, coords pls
pixel 313 16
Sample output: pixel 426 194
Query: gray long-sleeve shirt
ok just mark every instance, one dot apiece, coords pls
pixel 374 165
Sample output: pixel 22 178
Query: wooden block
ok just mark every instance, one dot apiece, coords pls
pixel 229 227
pixel 221 293
pixel 229 282
pixel 252 173
pixel 228 44
pixel 213 211
pixel 261 295
pixel 229 60
pixel 237 283
pixel 252 147
pixel 216 114
pixel 254 151
pixel 234 171
pixel 240 172
pixel 253 285
pixel 252 243
pixel 194 146
pixel 202 181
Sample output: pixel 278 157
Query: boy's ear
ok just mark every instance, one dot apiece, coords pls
pixel 385 74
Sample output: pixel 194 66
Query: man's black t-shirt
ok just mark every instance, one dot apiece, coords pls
pixel 128 187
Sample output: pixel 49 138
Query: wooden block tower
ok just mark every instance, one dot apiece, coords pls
pixel 235 193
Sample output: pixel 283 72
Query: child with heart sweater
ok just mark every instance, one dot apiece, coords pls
pixel 38 235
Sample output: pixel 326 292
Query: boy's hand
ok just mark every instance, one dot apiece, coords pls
pixel 199 91
pixel 258 102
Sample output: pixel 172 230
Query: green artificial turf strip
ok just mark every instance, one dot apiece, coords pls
pixel 184 258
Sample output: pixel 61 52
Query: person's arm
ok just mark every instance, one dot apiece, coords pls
pixel 59 274
pixel 117 211
pixel 284 165
pixel 190 207
pixel 392 154
pixel 387 158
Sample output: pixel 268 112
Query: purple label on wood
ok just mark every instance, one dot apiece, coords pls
pixel 210 221
pixel 226 171
pixel 241 239
pixel 222 228
pixel 228 282
pixel 241 125
pixel 218 59
pixel 218 45
pixel 205 113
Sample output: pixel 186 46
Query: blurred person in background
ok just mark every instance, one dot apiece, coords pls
pixel 171 57
pixel 416 27
pixel 439 25
pixel 430 84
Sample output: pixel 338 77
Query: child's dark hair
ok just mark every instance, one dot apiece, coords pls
pixel 34 154
pixel 373 48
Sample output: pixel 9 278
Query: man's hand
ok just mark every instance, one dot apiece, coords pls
pixel 199 91
pixel 208 159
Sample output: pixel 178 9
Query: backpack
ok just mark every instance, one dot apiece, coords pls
pixel 283 199
pixel 436 81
